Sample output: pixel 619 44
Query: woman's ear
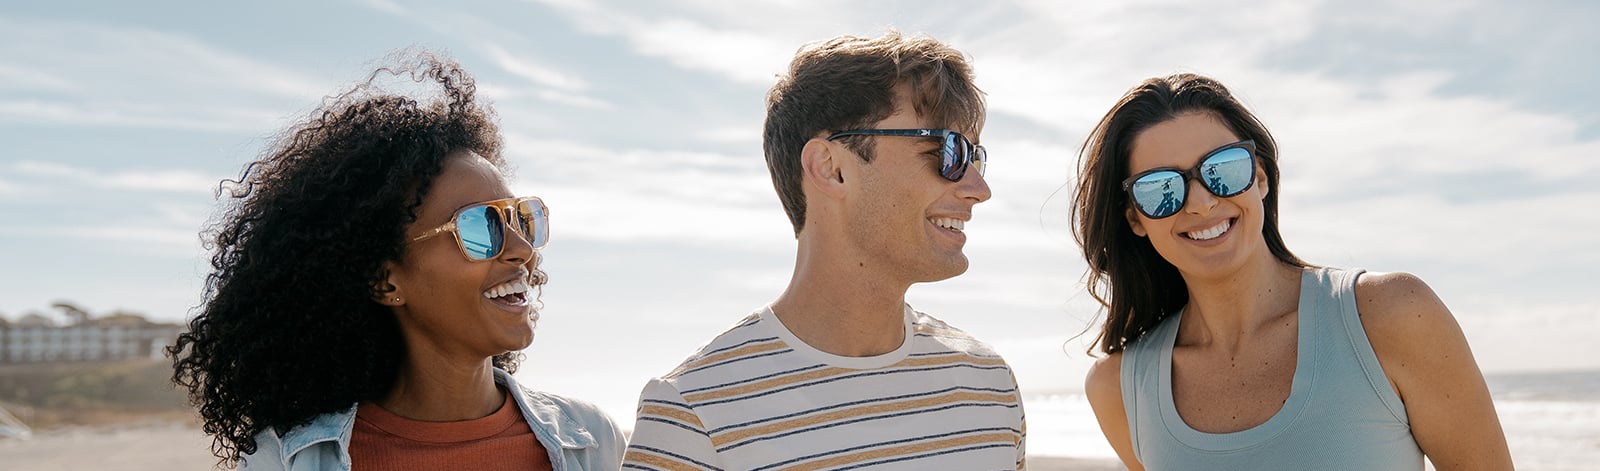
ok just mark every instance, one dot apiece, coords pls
pixel 819 167
pixel 1134 223
pixel 1261 181
pixel 386 292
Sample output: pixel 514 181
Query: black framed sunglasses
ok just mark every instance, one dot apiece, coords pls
pixel 956 154
pixel 480 228
pixel 1225 171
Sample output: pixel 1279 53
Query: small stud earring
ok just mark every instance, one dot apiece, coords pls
pixel 394 300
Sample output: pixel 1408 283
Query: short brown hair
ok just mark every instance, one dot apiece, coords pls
pixel 848 83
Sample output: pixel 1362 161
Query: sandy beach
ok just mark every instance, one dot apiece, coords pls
pixel 181 446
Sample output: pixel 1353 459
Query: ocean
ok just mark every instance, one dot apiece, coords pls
pixel 1551 421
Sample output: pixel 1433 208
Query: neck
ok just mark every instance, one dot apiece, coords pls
pixel 1226 309
pixel 842 305
pixel 433 389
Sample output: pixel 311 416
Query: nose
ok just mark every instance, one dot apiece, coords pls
pixel 1199 200
pixel 973 186
pixel 518 249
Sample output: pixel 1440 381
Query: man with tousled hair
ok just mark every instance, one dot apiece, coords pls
pixel 872 147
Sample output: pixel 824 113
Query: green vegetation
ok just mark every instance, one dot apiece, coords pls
pixel 50 395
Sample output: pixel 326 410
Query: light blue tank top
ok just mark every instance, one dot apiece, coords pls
pixel 1341 412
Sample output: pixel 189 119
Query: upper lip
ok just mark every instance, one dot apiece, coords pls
pixel 520 275
pixel 1206 225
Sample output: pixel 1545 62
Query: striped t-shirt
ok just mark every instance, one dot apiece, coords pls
pixel 757 398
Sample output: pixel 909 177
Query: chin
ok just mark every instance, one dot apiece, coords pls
pixel 947 270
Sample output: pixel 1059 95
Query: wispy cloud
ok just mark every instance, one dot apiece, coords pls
pixel 17 78
pixel 168 241
pixel 164 181
pixel 127 76
pixel 533 72
pixel 148 116
pixel 649 194
pixel 747 55
pixel 1392 160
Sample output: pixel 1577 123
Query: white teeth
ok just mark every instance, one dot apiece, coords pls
pixel 507 288
pixel 1211 233
pixel 949 223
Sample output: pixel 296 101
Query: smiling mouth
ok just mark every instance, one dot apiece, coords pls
pixel 1211 232
pixel 949 223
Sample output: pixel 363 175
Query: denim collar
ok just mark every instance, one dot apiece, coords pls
pixel 550 422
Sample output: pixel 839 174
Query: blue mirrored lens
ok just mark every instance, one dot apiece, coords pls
pixel 480 232
pixel 534 224
pixel 979 160
pixel 952 167
pixel 1159 194
pixel 1227 173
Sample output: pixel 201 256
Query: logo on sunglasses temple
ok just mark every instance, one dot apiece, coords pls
pixel 957 153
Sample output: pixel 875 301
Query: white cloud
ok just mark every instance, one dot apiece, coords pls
pixel 176 238
pixel 646 194
pixel 1523 336
pixel 387 6
pixel 745 56
pixel 173 241
pixel 532 72
pixel 740 134
pixel 24 79
pixel 166 181
pixel 575 100
pixel 133 116
pixel 111 75
pixel 753 52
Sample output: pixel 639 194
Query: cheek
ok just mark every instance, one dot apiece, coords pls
pixel 436 271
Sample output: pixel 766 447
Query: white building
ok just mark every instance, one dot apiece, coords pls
pixel 35 339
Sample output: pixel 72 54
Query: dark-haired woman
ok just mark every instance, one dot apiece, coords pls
pixel 1224 350
pixel 373 280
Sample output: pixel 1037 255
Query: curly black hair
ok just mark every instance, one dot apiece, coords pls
pixel 288 327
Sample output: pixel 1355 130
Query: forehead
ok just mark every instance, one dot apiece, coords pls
pixel 1178 142
pixel 906 117
pixel 465 179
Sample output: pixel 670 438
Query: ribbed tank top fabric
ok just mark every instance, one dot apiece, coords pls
pixel 1342 413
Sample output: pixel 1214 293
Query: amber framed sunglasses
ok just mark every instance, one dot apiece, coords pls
pixel 480 228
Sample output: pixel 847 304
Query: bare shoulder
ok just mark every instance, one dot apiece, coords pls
pixel 1413 333
pixel 1426 357
pixel 1103 386
pixel 1399 303
pixel 1104 381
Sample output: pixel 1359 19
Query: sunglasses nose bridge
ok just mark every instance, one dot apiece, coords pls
pixel 514 245
pixel 1196 192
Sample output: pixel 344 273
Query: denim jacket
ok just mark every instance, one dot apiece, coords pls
pixel 577 434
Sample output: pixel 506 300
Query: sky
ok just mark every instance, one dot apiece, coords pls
pixel 1456 140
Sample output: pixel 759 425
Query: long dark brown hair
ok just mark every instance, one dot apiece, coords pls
pixel 1126 275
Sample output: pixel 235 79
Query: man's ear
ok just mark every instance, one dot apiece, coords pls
pixel 819 166
pixel 386 292
pixel 1133 223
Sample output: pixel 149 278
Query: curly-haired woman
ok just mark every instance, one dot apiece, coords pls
pixel 373 280
pixel 1224 349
